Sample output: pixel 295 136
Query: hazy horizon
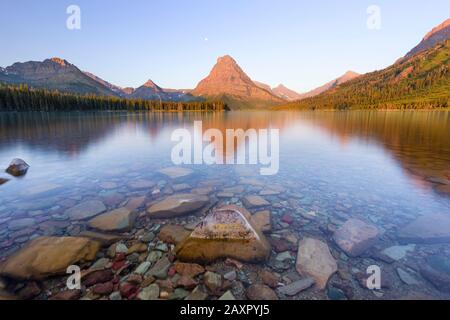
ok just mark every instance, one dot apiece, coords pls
pixel 300 44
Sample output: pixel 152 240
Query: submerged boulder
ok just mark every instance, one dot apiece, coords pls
pixel 47 256
pixel 315 260
pixel 3 181
pixel 263 220
pixel 173 234
pixel 177 205
pixel 86 210
pixel 437 271
pixel 356 236
pixel 428 229
pixel 227 232
pixel 176 172
pixel 17 168
pixel 118 220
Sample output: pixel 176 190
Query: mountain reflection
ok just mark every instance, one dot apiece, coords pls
pixel 418 141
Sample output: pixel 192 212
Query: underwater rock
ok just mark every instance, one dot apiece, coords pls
pixel 48 256
pixel 227 232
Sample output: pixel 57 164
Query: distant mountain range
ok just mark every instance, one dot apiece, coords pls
pixel 54 74
pixel 349 75
pixel 228 82
pixel 421 79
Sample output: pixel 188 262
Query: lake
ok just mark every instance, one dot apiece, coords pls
pixel 384 168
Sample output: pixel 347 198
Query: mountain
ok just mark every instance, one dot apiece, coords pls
pixel 263 86
pixel 417 82
pixel 281 91
pixel 286 93
pixel 227 81
pixel 349 75
pixel 54 74
pixel 151 91
pixel 438 34
pixel 110 86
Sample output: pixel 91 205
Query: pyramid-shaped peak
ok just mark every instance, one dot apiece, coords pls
pixel 59 61
pixel 226 59
pixel 151 84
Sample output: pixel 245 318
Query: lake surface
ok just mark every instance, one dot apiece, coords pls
pixel 386 168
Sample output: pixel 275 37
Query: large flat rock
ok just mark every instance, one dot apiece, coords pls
pixel 118 220
pixel 226 232
pixel 428 229
pixel 177 205
pixel 173 234
pixel 86 210
pixel 356 236
pixel 315 260
pixel 255 201
pixel 47 256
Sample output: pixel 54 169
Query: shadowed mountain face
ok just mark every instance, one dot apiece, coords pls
pixel 54 74
pixel 438 34
pixel 151 91
pixel 58 74
pixel 228 81
pixel 121 92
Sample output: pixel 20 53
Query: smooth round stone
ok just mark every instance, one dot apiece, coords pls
pixel 121 248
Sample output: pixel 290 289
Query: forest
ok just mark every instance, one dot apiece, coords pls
pixel 420 82
pixel 24 98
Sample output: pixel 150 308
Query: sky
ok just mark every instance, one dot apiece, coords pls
pixel 302 44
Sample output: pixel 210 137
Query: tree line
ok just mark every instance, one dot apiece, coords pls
pixel 24 98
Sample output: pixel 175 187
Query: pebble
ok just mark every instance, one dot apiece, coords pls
pixel 121 248
pixel 230 276
pixel 227 296
pixel 213 281
pixel 260 292
pixel 296 287
pixel 149 293
pixel 197 294
pixel 143 268
pixel 115 296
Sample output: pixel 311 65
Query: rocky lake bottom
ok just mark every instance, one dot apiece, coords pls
pixel 101 193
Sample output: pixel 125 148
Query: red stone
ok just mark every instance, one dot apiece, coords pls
pixel 287 219
pixel 103 288
pixel 67 295
pixel 118 265
pixel 127 290
pixel 189 269
pixel 172 272
pixel 101 276
pixel 119 257
pixel 187 283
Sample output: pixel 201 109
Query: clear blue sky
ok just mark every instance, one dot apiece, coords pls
pixel 301 44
